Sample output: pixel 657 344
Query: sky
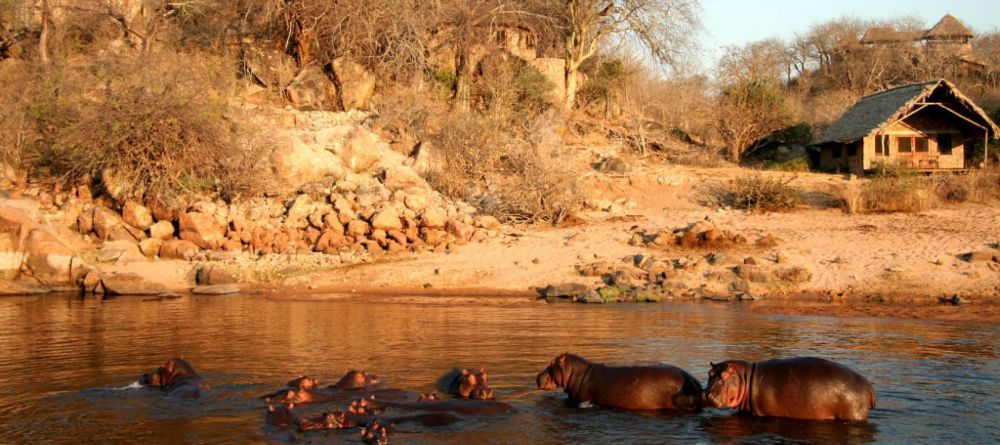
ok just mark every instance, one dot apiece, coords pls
pixel 736 22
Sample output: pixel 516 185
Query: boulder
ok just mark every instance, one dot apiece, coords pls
pixel 755 274
pixel 162 230
pixel 311 90
pixel 387 219
pixel 21 288
pixel 202 229
pixel 590 296
pixel 460 230
pixel 299 212
pixel 357 228
pixel 137 215
pixel 486 222
pixel 565 290
pixel 357 85
pixel 50 262
pixel 150 247
pixel 270 67
pixel 108 226
pixel 296 163
pixel 176 249
pixel 130 284
pixel 213 275
pixel 362 151
pixel 416 201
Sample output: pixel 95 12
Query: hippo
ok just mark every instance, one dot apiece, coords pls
pixel 468 407
pixel 336 420
pixel 281 415
pixel 177 377
pixel 346 420
pixel 303 396
pixel 375 434
pixel 466 384
pixel 806 388
pixel 303 382
pixel 355 379
pixel 658 387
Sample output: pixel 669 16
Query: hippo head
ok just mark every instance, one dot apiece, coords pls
pixel 375 434
pixel 474 385
pixel 337 420
pixel 727 384
pixel 428 397
pixel 303 382
pixel 365 406
pixel 163 376
pixel 354 379
pixel 554 376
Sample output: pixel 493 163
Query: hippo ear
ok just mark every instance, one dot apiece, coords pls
pixel 465 372
pixel 482 370
pixel 270 408
pixel 562 360
pixel 711 365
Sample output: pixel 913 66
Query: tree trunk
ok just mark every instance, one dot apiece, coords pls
pixel 43 38
pixel 570 98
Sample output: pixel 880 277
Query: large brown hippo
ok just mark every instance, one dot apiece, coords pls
pixel 658 387
pixel 466 384
pixel 799 388
pixel 177 377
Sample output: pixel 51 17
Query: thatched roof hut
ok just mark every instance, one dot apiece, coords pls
pixel 925 124
pixel 948 28
pixel 887 35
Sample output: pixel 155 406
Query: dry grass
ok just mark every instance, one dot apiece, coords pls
pixel 887 193
pixel 756 191
pixel 981 186
pixel 502 170
pixel 157 127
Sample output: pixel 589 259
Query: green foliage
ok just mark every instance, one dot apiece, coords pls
pixel 748 111
pixel 611 294
pixel 759 192
pixel 605 82
pixel 511 88
pixel 790 165
pixel 645 296
pixel 894 188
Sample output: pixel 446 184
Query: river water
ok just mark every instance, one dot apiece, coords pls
pixel 66 364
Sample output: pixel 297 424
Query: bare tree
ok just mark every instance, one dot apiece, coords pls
pixel 664 28
pixel 752 103
pixel 140 22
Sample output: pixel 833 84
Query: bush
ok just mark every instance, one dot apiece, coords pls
pixel 895 189
pixel 790 165
pixel 977 186
pixel 758 192
pixel 501 169
pixel 151 128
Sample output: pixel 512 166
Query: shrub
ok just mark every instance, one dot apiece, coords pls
pixel 977 186
pixel 894 189
pixel 154 127
pixel 502 170
pixel 758 192
pixel 790 165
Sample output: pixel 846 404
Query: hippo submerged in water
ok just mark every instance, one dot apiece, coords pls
pixel 466 384
pixel 801 388
pixel 657 387
pixel 177 377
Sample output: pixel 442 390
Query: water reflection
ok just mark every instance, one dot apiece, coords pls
pixel 64 360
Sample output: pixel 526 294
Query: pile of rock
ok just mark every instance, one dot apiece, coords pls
pixel 703 234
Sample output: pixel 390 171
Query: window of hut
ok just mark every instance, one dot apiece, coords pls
pixel 880 148
pixel 944 143
pixel 852 150
pixel 921 144
pixel 905 144
pixel 837 151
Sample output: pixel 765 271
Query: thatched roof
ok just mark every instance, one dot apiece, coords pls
pixel 888 35
pixel 947 27
pixel 874 112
